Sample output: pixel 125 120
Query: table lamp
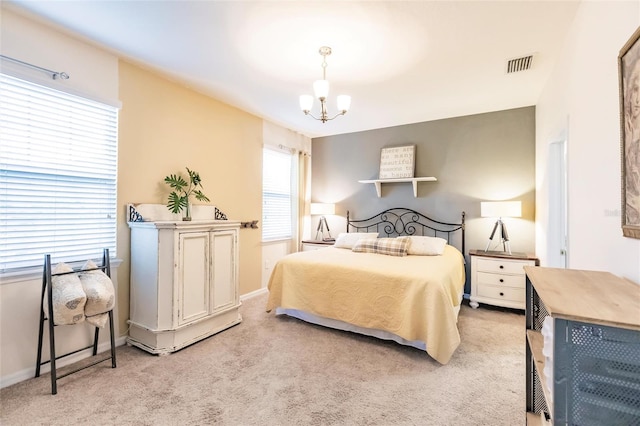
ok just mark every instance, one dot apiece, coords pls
pixel 500 209
pixel 322 209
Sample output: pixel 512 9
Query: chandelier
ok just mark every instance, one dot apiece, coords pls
pixel 321 90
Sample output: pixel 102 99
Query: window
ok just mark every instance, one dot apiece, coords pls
pixel 58 169
pixel 277 194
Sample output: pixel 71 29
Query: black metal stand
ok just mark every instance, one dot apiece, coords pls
pixel 505 236
pixel 320 231
pixel 46 287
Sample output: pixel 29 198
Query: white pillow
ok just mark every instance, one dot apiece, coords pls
pixel 348 239
pixel 426 246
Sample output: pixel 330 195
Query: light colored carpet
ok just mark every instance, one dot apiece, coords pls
pixel 281 371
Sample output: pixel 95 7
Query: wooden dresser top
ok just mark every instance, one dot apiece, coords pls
pixel 588 296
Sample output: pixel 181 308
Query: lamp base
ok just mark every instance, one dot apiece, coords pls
pixel 320 231
pixel 505 245
pixel 505 236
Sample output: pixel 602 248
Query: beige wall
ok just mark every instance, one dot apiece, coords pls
pixel 94 74
pixel 165 127
pixel 278 137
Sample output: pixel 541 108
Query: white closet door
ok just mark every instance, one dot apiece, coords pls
pixel 557 238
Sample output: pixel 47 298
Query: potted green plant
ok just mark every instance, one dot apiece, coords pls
pixel 182 189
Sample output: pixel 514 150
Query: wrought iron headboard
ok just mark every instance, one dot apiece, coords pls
pixel 402 221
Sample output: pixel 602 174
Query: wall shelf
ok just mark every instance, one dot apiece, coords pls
pixel 414 181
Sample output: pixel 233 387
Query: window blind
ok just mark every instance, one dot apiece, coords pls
pixel 276 195
pixel 58 170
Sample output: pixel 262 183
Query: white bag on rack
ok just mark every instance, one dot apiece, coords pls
pixel 100 294
pixel 67 295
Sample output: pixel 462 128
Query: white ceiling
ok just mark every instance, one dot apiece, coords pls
pixel 401 62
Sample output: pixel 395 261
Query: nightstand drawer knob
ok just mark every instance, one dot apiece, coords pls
pixel 501 294
pixel 501 280
pixel 501 267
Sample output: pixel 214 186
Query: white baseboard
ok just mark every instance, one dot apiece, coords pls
pixel 254 293
pixel 29 373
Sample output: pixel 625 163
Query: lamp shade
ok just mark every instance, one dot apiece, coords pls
pixel 501 209
pixel 323 208
pixel 321 89
pixel 344 102
pixel 306 102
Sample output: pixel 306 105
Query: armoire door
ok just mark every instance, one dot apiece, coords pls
pixel 223 249
pixel 193 277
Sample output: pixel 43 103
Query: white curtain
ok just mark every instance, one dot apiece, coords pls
pixel 304 200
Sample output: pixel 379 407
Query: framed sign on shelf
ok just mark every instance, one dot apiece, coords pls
pixel 397 162
pixel 629 80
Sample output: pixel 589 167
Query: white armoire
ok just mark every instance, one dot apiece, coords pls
pixel 184 282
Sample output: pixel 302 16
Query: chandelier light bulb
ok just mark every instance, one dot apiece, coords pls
pixel 321 89
pixel 344 102
pixel 306 102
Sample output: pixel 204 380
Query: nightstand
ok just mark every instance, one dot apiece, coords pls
pixel 498 278
pixel 308 245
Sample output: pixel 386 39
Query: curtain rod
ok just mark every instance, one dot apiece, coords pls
pixel 54 74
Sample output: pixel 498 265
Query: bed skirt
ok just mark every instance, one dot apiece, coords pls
pixel 344 326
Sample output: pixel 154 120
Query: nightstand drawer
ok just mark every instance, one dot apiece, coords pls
pixel 516 281
pixel 502 293
pixel 502 266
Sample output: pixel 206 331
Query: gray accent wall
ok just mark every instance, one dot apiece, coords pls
pixel 475 158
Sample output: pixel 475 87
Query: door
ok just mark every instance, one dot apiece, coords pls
pixel 557 237
pixel 193 277
pixel 224 264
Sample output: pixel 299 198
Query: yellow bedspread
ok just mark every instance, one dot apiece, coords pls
pixel 411 296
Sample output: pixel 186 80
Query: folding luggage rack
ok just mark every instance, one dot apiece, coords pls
pixel 47 291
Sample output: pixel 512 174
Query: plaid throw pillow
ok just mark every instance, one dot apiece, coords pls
pixel 389 246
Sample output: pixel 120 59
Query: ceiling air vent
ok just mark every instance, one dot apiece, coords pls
pixel 519 64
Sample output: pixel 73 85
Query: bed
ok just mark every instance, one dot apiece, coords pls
pixel 412 299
